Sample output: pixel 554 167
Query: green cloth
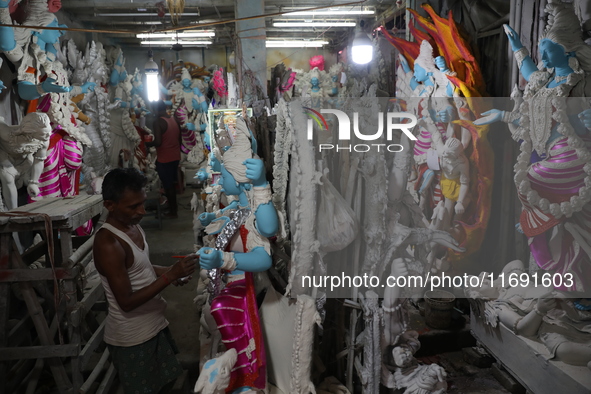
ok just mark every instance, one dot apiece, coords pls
pixel 148 367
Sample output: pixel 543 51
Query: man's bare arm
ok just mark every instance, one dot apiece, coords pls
pixel 109 259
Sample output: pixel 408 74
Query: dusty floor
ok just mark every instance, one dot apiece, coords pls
pixel 176 239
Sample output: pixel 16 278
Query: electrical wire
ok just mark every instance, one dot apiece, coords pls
pixel 171 28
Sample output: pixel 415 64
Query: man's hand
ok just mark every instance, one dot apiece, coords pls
pixel 255 170
pixel 210 258
pixel 183 268
pixel 459 208
pixel 182 281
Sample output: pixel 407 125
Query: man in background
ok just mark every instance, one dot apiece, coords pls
pixel 167 140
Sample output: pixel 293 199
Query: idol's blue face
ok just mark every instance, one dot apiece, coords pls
pixel 51 36
pixel 553 54
pixel 228 183
pixel 314 81
pixel 420 73
pixel 186 83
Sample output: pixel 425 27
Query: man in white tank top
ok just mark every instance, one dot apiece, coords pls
pixel 136 330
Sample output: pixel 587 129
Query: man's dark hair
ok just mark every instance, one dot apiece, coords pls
pixel 119 179
pixel 159 106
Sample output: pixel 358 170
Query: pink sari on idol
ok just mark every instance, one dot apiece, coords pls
pixel 236 314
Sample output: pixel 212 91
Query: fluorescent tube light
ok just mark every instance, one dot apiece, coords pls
pixel 204 33
pixel 175 42
pixel 295 44
pixel 314 24
pixel 330 12
pixel 146 14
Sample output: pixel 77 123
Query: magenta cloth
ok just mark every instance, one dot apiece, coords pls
pixel 558 177
pixel 188 136
pixel 237 320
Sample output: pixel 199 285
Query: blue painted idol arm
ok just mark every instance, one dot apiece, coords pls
pixel 257 260
pixel 29 91
pixel 524 61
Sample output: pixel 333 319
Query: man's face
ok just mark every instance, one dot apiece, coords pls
pixel 129 210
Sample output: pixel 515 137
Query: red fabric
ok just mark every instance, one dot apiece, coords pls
pixel 170 147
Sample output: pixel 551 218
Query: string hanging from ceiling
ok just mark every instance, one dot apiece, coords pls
pixel 176 8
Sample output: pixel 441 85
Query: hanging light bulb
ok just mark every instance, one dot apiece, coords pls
pixel 151 70
pixel 362 47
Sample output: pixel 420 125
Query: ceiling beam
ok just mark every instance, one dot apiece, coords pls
pixel 123 5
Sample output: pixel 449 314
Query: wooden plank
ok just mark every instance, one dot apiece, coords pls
pixel 40 203
pixel 58 208
pixel 34 252
pixel 84 306
pixel 45 337
pixel 26 352
pixel 27 275
pixel 92 345
pixel 65 242
pixel 81 252
pixel 61 208
pixel 33 379
pixel 74 332
pixel 107 381
pixel 511 351
pixel 29 225
pixel 20 331
pixel 82 217
pixel 18 374
pixel 86 260
pixel 95 372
